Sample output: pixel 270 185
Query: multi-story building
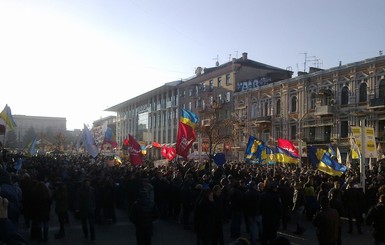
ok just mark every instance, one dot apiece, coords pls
pixel 154 116
pixel 210 95
pixel 41 126
pixel 318 107
pixel 149 117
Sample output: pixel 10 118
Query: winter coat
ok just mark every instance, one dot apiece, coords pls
pixel 376 218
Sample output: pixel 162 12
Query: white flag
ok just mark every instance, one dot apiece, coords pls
pixel 339 159
pixel 348 160
pixel 380 154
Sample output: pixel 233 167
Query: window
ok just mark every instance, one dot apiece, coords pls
pixel 344 129
pixel 293 104
pixel 219 82
pixel 189 106
pixel 254 110
pixel 190 92
pixel 363 96
pixel 220 98
pixel 382 89
pixel 278 107
pixel 228 79
pixel 312 101
pixel 228 96
pixel 211 84
pixel 293 132
pixel 278 132
pixel 345 96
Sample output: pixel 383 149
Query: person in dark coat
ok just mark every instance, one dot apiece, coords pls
pixel 326 222
pixel 143 211
pixel 376 218
pixel 13 194
pixel 271 209
pixel 219 203
pixel 9 233
pixel 336 203
pixel 41 211
pixel 60 197
pixel 298 208
pixel 354 201
pixel 86 208
pixel 204 217
pixel 236 205
pixel 252 211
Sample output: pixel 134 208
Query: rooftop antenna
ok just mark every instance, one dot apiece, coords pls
pixel 380 52
pixel 236 54
pixel 217 59
pixel 307 58
pixel 229 57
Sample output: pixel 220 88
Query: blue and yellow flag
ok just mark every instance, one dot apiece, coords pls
pixel 189 118
pixel 285 156
pixel 331 150
pixel 6 115
pixel 325 163
pixel 254 148
pixel 268 155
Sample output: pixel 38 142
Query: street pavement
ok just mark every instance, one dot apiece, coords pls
pixel 169 232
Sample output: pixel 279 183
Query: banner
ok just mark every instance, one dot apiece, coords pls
pixel 355 142
pixel 370 143
pixel 135 151
pixel 185 139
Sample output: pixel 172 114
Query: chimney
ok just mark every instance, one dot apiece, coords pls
pixel 244 56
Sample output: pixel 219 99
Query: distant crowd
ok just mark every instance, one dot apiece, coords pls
pixel 201 197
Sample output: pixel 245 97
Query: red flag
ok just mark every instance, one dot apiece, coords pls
pixel 186 137
pixel 135 151
pixel 288 145
pixel 164 151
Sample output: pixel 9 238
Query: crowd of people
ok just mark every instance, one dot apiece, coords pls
pixel 261 198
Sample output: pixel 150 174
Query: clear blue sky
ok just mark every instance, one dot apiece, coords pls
pixel 75 58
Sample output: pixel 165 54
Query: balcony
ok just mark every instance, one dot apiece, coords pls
pixel 323 110
pixel 265 119
pixel 377 102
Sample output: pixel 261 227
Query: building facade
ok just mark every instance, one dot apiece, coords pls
pixel 41 126
pixel 317 108
pixel 154 116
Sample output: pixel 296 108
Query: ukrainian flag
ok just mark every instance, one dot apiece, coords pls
pixel 326 163
pixel 6 115
pixel 285 156
pixel 188 118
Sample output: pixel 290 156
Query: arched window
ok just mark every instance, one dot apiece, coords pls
pixel 266 109
pixel 254 110
pixel 382 89
pixel 345 96
pixel 363 93
pixel 312 100
pixel 278 107
pixel 293 104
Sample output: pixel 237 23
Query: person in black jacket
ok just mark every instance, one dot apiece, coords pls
pixel 271 209
pixel 252 211
pixel 9 233
pixel 204 217
pixel 143 211
pixel 376 218
pixel 86 208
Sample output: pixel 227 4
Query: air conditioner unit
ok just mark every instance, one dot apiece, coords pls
pixel 206 122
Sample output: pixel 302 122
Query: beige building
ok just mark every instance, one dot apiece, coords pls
pixel 48 126
pixel 316 108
